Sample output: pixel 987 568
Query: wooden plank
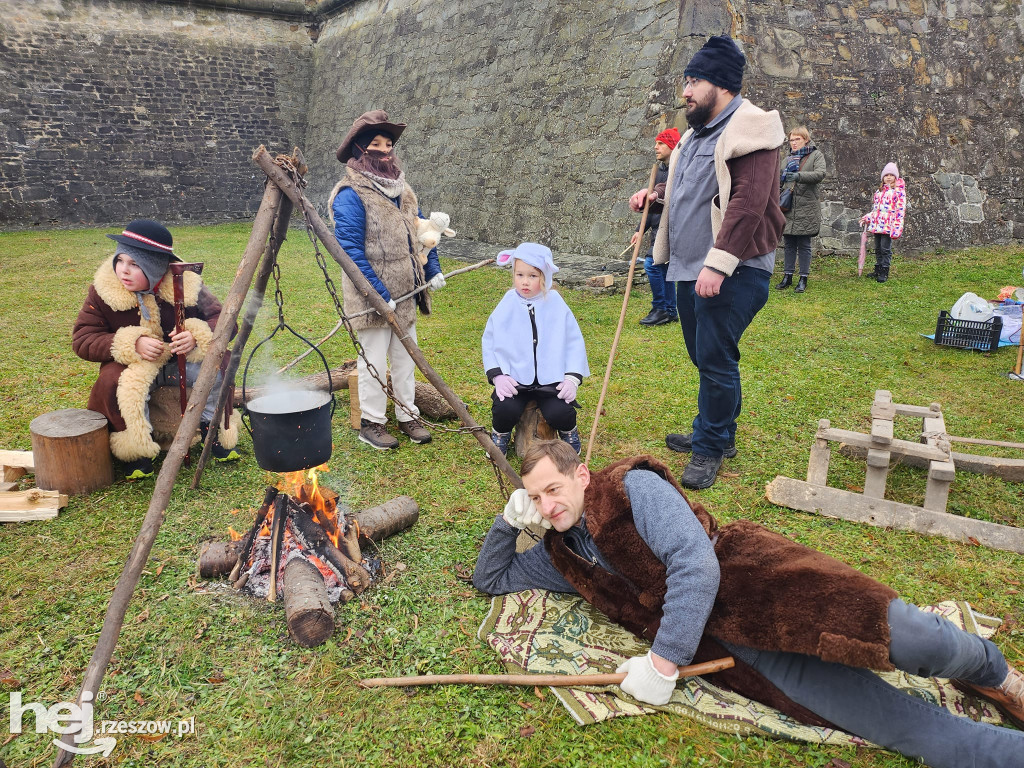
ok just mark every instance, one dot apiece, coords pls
pixel 845 505
pixel 9 486
pixel 17 459
pixel 904 447
pixel 877 473
pixel 1010 470
pixel 354 412
pixel 12 474
pixel 817 464
pixel 913 410
pixel 601 281
pixel 33 504
pixel 881 431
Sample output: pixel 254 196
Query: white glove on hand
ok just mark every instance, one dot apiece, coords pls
pixel 505 386
pixel 644 683
pixel 437 282
pixel 520 511
pixel 567 389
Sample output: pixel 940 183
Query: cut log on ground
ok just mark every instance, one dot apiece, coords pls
pixel 432 404
pixel 387 519
pixel 217 558
pixel 33 504
pixel 71 450
pixel 307 608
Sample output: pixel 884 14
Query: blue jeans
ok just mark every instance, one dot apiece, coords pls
pixel 711 331
pixel 860 702
pixel 663 292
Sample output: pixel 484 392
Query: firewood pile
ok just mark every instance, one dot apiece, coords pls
pixel 303 550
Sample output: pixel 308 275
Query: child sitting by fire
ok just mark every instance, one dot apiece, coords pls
pixel 127 325
pixel 533 349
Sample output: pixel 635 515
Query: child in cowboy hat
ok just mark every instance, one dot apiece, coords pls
pixel 127 325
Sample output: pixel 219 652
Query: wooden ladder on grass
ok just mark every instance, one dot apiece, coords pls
pixel 879 449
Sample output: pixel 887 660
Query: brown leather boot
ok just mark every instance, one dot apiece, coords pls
pixel 1008 696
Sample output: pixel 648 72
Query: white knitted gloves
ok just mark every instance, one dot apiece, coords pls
pixel 520 511
pixel 437 282
pixel 644 683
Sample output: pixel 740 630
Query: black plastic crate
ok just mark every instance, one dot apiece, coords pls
pixel 979 335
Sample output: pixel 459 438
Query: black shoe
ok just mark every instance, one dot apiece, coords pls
pixel 787 280
pixel 700 473
pixel 651 317
pixel 219 452
pixel 882 275
pixel 684 444
pixel 872 274
pixel 660 317
pixel 801 284
pixel 138 469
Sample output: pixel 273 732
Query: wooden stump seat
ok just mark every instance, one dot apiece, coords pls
pixel 71 451
pixel 531 426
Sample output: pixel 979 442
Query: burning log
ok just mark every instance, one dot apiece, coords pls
pixel 245 546
pixel 358 578
pixel 387 519
pixel 308 610
pixel 276 539
pixel 218 558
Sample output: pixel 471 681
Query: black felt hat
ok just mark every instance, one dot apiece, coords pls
pixel 147 235
pixel 720 62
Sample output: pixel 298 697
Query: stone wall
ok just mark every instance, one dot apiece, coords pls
pixel 113 110
pixel 535 120
pixel 527 120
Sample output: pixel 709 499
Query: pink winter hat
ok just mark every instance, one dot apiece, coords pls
pixel 890 168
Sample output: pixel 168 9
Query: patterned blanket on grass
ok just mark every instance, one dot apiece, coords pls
pixel 545 632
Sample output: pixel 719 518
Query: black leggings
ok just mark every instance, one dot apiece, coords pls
pixel 505 414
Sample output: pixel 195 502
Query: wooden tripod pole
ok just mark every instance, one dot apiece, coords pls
pixel 705 668
pixel 622 314
pixel 137 558
pixel 277 175
pixel 259 289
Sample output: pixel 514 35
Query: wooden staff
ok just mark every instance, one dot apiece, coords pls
pixel 119 601
pixel 285 183
pixel 337 326
pixel 178 270
pixel 692 670
pixel 622 314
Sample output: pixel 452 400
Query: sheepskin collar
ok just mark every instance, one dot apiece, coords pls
pixel 119 298
pixel 749 129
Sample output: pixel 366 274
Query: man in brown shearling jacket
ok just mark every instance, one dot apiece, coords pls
pixel 804 629
pixel 719 228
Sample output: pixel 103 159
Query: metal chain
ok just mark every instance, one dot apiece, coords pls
pixel 285 162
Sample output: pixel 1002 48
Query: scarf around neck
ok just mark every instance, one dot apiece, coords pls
pixel 793 161
pixel 381 169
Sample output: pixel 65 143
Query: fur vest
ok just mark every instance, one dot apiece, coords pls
pixel 105 332
pixel 390 248
pixel 774 594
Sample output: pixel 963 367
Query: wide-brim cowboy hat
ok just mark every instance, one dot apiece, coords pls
pixel 148 235
pixel 375 118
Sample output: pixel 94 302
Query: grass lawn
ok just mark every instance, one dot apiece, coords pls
pixel 195 649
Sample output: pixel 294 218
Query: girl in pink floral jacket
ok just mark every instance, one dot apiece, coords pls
pixel 886 219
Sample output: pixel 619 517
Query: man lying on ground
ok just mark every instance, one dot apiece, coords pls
pixel 805 629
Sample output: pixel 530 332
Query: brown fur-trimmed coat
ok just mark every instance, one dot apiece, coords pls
pixel 774 594
pixel 105 332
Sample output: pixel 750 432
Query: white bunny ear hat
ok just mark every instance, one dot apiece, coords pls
pixel 534 254
pixel 441 221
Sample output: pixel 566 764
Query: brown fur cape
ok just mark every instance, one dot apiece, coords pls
pixel 774 594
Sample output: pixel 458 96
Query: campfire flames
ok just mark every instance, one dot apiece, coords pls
pixel 310 513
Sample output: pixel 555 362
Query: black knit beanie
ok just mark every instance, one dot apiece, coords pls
pixel 720 62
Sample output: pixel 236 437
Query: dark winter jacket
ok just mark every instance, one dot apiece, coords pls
pixel 804 218
pixel 655 209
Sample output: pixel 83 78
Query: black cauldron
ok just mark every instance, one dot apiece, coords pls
pixel 291 429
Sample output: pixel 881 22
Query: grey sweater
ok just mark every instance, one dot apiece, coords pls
pixel 668 526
